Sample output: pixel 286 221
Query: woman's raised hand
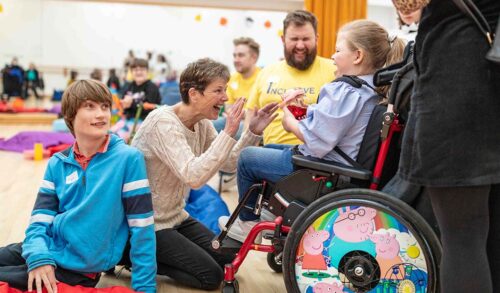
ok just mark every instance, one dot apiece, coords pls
pixel 234 116
pixel 262 117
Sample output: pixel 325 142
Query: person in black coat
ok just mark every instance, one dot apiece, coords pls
pixel 13 79
pixel 451 144
pixel 113 81
pixel 141 90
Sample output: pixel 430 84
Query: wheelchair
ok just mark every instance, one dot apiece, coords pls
pixel 337 235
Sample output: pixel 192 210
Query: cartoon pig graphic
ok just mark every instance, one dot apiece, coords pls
pixel 352 230
pixel 356 225
pixel 313 249
pixel 328 288
pixel 387 248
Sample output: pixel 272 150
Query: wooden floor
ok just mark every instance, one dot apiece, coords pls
pixel 19 184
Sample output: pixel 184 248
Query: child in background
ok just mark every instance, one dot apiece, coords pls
pixel 94 196
pixel 140 91
pixel 140 87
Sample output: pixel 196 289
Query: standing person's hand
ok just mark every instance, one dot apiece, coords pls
pixel 262 117
pixel 234 117
pixel 44 274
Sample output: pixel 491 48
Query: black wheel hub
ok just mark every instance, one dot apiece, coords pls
pixel 361 270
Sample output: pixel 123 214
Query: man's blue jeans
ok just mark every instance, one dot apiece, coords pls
pixel 255 164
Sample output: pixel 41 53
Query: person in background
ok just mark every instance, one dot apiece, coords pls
pixel 13 79
pixel 169 91
pixel 161 70
pixel 96 74
pixel 301 68
pixel 245 55
pixel 31 81
pixel 141 90
pixel 73 76
pixel 113 81
pixel 408 24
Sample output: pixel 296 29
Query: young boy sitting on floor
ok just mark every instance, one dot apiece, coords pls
pixel 93 196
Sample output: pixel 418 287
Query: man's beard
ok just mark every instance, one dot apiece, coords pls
pixel 304 64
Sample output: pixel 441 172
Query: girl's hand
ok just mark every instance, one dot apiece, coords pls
pixel 234 116
pixel 294 96
pixel 288 120
pixel 262 117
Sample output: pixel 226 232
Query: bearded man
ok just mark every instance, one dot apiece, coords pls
pixel 302 68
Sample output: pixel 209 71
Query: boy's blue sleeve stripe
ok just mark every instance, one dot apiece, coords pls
pixel 46 201
pixel 138 204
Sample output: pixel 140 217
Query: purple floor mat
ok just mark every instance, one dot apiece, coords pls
pixel 26 139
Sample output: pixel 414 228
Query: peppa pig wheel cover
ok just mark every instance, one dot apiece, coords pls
pixel 356 248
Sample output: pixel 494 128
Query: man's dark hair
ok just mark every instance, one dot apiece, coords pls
pixel 300 18
pixel 139 62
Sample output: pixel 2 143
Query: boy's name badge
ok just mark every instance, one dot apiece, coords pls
pixel 71 177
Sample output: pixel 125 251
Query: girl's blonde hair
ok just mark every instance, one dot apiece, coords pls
pixel 380 49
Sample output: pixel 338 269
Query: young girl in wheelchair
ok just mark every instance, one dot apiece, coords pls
pixel 338 119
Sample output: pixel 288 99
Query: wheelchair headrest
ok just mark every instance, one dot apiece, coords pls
pixel 385 75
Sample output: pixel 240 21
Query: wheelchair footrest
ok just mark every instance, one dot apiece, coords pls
pixel 229 245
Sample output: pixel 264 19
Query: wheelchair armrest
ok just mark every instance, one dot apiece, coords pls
pixel 331 167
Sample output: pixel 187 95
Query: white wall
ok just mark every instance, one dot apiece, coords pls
pixel 55 34
pixel 90 34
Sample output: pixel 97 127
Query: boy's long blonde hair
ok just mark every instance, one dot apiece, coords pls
pixel 380 48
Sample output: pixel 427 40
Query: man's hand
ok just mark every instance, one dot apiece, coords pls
pixel 44 274
pixel 127 101
pixel 234 117
pixel 261 118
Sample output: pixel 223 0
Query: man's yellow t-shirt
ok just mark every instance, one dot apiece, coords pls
pixel 274 80
pixel 238 86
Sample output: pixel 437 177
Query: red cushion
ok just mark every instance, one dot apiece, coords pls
pixel 65 288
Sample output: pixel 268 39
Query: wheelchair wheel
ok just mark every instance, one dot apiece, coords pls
pixel 360 240
pixel 275 264
pixel 230 287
